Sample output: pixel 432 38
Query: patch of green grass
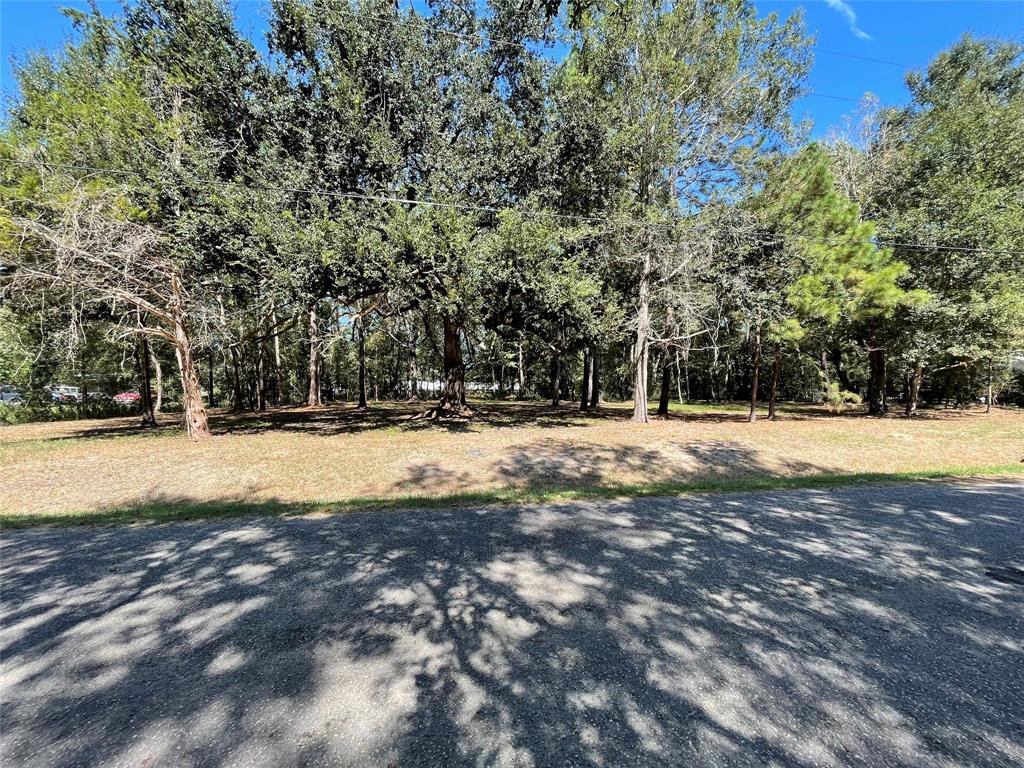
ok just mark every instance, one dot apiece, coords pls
pixel 698 407
pixel 165 511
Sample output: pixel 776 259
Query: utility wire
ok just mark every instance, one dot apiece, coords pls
pixel 830 96
pixel 771 237
pixel 483 208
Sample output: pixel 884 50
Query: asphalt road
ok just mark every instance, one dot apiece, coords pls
pixel 875 626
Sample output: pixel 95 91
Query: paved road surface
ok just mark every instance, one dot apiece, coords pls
pixel 875 626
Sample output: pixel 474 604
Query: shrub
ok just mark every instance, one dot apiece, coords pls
pixel 837 398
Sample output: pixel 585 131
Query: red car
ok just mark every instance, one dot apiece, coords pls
pixel 127 398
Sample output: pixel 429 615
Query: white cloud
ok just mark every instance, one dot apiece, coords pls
pixel 840 7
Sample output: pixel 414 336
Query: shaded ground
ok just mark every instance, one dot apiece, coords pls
pixel 868 626
pixel 337 453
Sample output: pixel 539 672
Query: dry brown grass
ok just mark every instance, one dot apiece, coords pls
pixel 335 453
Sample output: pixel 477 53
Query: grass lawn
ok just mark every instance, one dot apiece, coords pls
pixel 299 460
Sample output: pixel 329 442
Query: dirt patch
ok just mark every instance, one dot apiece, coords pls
pixel 337 452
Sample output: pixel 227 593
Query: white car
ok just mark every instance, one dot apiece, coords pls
pixel 63 393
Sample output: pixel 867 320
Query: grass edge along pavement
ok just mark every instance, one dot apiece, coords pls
pixel 166 511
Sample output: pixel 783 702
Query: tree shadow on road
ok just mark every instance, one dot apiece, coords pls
pixel 788 629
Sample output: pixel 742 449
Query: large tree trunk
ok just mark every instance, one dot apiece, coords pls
pixel 196 423
pixel 754 382
pixel 453 396
pixel 776 355
pixel 914 387
pixel 640 345
pixel 837 361
pixel 313 370
pixel 145 391
pixel 586 380
pixel 666 383
pixel 876 381
pixel 361 331
pixel 595 376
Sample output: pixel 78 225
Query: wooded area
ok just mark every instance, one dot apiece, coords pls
pixel 512 200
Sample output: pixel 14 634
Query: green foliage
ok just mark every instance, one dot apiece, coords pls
pixel 837 398
pixel 846 276
pixel 412 172
pixel 956 184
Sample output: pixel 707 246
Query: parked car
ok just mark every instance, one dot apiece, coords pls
pixel 131 397
pixel 65 393
pixel 11 396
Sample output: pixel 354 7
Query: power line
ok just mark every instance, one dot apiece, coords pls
pixel 861 58
pixel 485 208
pixel 773 237
pixel 838 240
pixel 831 96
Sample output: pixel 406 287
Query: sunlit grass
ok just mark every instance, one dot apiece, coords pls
pixel 339 459
pixel 177 510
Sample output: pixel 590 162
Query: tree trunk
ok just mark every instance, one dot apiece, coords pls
pixel 520 371
pixel 876 381
pixel 640 345
pixel 213 399
pixel 145 390
pixel 261 379
pixel 754 382
pixel 914 387
pixel 991 389
pixel 837 361
pixel 453 396
pixel 414 373
pixel 313 367
pixel 159 381
pixel 556 379
pixel 713 374
pixel 686 370
pixel 776 355
pixel 361 331
pixel 679 381
pixel 237 398
pixel 727 381
pixel 277 354
pixel 196 423
pixel 666 384
pixel 595 377
pixel 585 381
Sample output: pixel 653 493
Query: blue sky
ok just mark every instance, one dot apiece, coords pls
pixel 906 32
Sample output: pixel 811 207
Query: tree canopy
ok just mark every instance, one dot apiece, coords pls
pixel 494 194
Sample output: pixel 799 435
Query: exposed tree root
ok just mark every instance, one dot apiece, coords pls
pixel 444 411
